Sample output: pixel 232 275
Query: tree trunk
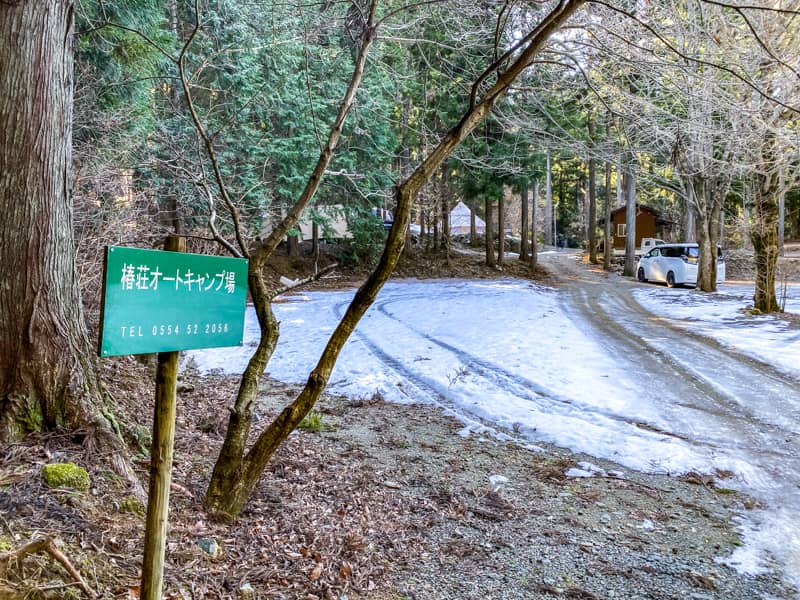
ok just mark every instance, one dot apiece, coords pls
pixel 473 229
pixel 629 183
pixel 608 244
pixel 228 485
pixel 689 225
pixel 405 154
pixel 592 217
pixel 549 225
pixel 47 372
pixel 534 202
pixel 781 210
pixel 582 201
pixel 435 222
pixel 706 260
pixel 489 235
pixel 445 213
pixel 764 235
pixel 315 243
pixel 501 230
pixel 523 244
pixel 707 228
pixel 562 202
pixel 293 246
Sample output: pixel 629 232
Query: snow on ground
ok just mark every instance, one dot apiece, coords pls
pixel 772 339
pixel 721 316
pixel 504 358
pixel 451 342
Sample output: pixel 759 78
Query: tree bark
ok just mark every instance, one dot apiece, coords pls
pixel 473 229
pixel 47 375
pixel 549 225
pixel 445 196
pixel 689 225
pixel 315 243
pixel 708 236
pixel 592 217
pixel 293 246
pixel 228 485
pixel 629 183
pixel 501 230
pixel 489 234
pixel 781 210
pixel 534 202
pixel 764 235
pixel 608 244
pixel 435 224
pixel 523 244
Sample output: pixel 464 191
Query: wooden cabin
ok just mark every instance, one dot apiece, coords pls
pixel 648 224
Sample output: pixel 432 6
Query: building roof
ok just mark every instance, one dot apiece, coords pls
pixel 460 217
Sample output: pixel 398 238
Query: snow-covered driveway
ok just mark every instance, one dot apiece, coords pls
pixel 585 366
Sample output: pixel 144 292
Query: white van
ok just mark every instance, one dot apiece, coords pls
pixel 675 264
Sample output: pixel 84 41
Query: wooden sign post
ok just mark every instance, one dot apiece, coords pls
pixel 155 533
pixel 165 302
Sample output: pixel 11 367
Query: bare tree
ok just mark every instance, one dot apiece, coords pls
pixel 238 469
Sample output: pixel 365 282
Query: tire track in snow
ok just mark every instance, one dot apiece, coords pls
pixel 544 399
pixel 698 371
pixel 429 391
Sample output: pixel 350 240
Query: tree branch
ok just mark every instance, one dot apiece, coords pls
pixel 267 246
pixel 46 544
pixel 671 47
pixel 207 141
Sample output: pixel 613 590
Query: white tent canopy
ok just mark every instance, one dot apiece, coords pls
pixel 460 218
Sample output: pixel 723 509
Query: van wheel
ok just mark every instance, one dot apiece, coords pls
pixel 670 279
pixel 640 275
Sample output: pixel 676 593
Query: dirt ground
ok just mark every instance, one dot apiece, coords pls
pixel 383 502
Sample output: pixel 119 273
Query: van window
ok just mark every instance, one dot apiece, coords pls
pixel 694 252
pixel 673 251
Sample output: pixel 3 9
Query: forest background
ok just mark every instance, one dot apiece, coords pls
pixel 230 122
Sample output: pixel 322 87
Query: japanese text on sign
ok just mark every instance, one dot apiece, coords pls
pixel 142 277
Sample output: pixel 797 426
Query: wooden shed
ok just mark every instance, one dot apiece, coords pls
pixel 648 224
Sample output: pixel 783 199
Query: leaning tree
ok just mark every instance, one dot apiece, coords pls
pixel 240 467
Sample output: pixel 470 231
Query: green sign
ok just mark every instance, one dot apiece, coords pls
pixel 155 301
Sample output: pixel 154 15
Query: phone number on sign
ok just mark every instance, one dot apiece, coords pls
pixel 130 331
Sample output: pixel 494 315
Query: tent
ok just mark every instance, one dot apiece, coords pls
pixel 459 221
